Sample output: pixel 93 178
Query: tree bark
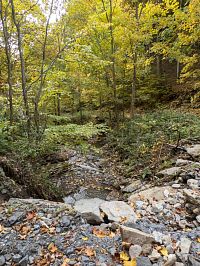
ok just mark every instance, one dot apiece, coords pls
pixel 8 58
pixel 22 65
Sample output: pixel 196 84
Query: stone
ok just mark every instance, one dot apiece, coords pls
pixel 192 261
pixel 143 261
pixel 69 200
pixel 147 249
pixel 135 251
pixel 182 162
pixel 65 220
pixel 185 245
pixel 176 186
pixel 173 171
pixel 155 255
pixel 171 259
pixel 89 209
pixel 198 218
pixel 193 183
pixel 155 193
pixel 16 217
pixel 194 150
pixel 157 207
pixel 2 260
pixel 139 204
pixel 135 236
pixel 132 187
pixel 179 264
pixel 117 211
pixel 192 196
pixel 16 258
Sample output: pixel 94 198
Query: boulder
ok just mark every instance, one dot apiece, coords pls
pixel 193 183
pixel 192 196
pixel 118 211
pixel 89 209
pixel 135 236
pixel 194 151
pixel 155 193
pixel 173 171
pixel 132 187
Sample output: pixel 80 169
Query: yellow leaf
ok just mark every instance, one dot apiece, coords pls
pixel 65 262
pixel 124 256
pixel 130 263
pixel 198 240
pixel 1 228
pixel 163 251
pixel 85 238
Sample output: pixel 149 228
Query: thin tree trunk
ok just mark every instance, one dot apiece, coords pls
pixel 134 86
pixel 22 65
pixel 9 64
pixel 42 77
pixel 58 104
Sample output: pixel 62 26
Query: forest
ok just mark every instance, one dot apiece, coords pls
pixel 100 103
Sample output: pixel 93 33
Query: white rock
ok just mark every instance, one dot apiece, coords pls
pixel 155 193
pixel 117 211
pixel 179 264
pixel 133 186
pixel 173 171
pixel 158 236
pixel 181 162
pixel 89 209
pixel 176 186
pixel 155 255
pixel 194 150
pixel 185 245
pixel 157 207
pixel 135 251
pixel 193 183
pixel 198 218
pixel 170 260
pixel 135 237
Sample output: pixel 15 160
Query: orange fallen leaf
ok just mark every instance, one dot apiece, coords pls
pixel 52 248
pixel 198 239
pixel 90 252
pixel 1 228
pixel 99 233
pixel 30 215
pixel 65 262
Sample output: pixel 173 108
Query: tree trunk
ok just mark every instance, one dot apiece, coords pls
pixel 22 65
pixel 8 57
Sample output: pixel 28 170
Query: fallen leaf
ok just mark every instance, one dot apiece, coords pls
pixel 65 262
pixel 163 251
pixel 85 238
pixel 89 252
pixel 30 215
pixel 124 256
pixel 52 248
pixel 1 228
pixel 198 239
pixel 130 263
pixel 99 233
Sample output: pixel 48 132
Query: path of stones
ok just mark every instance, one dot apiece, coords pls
pixel 157 226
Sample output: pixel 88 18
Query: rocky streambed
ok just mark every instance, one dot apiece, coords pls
pixel 156 225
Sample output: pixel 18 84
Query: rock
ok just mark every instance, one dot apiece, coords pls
pixel 198 218
pixel 155 193
pixel 170 260
pixel 132 187
pixel 143 261
pixel 89 209
pixel 69 200
pixel 194 151
pixel 139 204
pixel 16 258
pixel 16 217
pixel 117 211
pixel 146 249
pixel 173 171
pixel 23 261
pixel 2 260
pixel 193 183
pixel 181 162
pixel 185 245
pixel 192 261
pixel 135 236
pixel 176 186
pixel 192 196
pixel 179 264
pixel 155 255
pixel 158 236
pixel 135 251
pixel 65 220
pixel 157 207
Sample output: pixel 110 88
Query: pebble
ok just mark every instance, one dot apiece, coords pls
pixel 155 255
pixel 16 258
pixel 176 186
pixel 146 249
pixel 193 183
pixel 198 218
pixel 2 260
pixel 170 260
pixel 135 251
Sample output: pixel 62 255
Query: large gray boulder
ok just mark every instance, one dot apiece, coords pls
pixel 194 150
pixel 89 209
pixel 172 172
pixel 118 211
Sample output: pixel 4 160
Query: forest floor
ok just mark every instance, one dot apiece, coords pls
pixel 107 219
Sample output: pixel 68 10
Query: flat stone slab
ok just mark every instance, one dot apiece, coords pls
pixel 135 236
pixel 89 209
pixel 118 211
pixel 173 171
pixel 155 193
